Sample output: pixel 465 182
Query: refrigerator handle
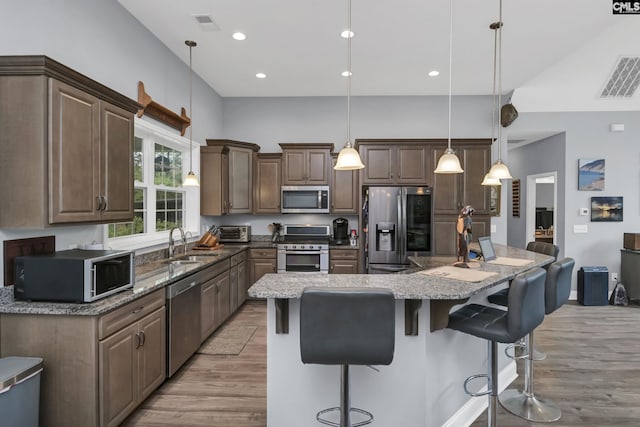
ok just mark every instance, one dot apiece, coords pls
pixel 399 232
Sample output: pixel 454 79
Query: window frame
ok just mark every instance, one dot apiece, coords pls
pixel 152 134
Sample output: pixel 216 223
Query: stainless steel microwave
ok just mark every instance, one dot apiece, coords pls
pixel 305 199
pixel 75 275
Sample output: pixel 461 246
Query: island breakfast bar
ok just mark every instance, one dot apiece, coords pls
pixel 423 385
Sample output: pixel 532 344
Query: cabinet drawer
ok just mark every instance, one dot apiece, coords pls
pixel 343 254
pixel 238 258
pixel 212 271
pixel 262 253
pixel 127 314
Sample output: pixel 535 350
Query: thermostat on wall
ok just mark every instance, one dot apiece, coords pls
pixel 584 211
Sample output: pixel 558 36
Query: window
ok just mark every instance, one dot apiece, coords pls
pixel 160 202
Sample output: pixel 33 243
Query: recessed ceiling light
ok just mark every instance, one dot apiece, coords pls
pixel 239 36
pixel 347 34
pixel 434 73
pixel 346 73
pixel 261 75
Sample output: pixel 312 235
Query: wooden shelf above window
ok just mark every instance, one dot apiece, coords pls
pixel 161 113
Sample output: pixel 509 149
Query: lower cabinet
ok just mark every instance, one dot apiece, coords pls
pixel 261 262
pixel 132 364
pixel 238 280
pixel 214 299
pixel 343 261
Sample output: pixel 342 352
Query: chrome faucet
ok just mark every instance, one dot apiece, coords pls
pixel 172 242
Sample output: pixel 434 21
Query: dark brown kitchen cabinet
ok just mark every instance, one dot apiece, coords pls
pixel 453 191
pixel 306 164
pixel 266 183
pixel 261 262
pixel 400 162
pixel 446 235
pixel 343 261
pixel 214 298
pixel 238 280
pixel 226 186
pixel 344 189
pixel 76 142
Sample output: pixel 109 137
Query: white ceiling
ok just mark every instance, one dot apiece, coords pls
pixel 297 43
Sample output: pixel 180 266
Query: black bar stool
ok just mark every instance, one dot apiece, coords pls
pixel 347 326
pixel 524 403
pixel 500 297
pixel 525 311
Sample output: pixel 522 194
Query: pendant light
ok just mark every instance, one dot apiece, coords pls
pixel 499 170
pixel 488 178
pixel 449 162
pixel 191 180
pixel 348 158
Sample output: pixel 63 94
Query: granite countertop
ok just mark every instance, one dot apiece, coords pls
pixel 149 278
pixel 404 286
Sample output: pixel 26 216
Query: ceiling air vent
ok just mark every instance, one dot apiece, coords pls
pixel 624 79
pixel 206 22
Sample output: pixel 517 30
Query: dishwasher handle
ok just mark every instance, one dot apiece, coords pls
pixel 180 288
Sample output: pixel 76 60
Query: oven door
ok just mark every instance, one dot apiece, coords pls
pixel 293 261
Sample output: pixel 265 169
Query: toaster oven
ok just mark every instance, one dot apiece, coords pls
pixel 234 233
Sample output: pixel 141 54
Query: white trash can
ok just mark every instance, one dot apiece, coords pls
pixel 20 391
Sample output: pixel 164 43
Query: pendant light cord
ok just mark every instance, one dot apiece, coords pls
pixel 499 30
pixel 190 110
pixel 450 66
pixel 493 97
pixel 350 35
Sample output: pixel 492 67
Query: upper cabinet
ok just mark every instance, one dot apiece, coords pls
pixel 226 168
pixel 306 164
pixel 266 183
pixel 344 189
pixel 66 141
pixel 401 162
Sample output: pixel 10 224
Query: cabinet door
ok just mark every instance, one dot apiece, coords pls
pixel 240 180
pixel 116 127
pixel 224 298
pixel 294 167
pixel 260 267
pixel 445 235
pixel 266 187
pixel 74 169
pixel 208 308
pixel 152 352
pixel 413 165
pixel 344 191
pixel 317 167
pixel 378 165
pixel 447 191
pixel 233 288
pixel 476 161
pixel 118 367
pixel 343 266
pixel 242 282
pixel 214 188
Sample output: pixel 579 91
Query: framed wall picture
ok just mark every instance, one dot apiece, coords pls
pixel 605 209
pixel 591 174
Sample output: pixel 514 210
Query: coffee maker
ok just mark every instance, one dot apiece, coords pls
pixel 340 231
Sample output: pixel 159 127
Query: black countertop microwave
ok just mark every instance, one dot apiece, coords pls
pixel 75 275
pixel 305 199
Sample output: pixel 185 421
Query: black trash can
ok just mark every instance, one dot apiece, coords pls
pixel 20 391
pixel 593 286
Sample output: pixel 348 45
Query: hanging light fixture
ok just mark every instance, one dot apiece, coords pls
pixel 191 180
pixel 449 162
pixel 348 158
pixel 499 170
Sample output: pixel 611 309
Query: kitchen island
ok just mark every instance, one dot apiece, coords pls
pixel 423 385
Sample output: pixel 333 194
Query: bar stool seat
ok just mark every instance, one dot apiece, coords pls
pixel 347 326
pixel 525 312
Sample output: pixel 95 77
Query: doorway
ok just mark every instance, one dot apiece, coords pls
pixel 542 208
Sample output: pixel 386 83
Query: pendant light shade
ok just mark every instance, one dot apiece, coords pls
pixel 489 180
pixel 191 180
pixel 348 158
pixel 499 170
pixel 449 162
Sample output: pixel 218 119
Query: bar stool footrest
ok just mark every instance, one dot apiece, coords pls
pixel 473 377
pixel 337 409
pixel 529 408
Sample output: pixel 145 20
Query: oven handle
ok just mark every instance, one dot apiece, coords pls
pixel 305 252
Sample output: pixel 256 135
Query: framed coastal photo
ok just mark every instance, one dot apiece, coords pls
pixel 605 209
pixel 591 174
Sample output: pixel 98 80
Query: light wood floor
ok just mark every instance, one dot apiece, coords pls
pixel 592 372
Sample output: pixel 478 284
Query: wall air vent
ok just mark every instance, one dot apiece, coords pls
pixel 515 141
pixel 206 22
pixel 624 79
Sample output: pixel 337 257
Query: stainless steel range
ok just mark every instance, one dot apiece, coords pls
pixel 305 249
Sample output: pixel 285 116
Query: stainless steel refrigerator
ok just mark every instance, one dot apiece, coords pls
pixel 399 222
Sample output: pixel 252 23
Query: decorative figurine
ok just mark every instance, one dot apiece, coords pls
pixel 463 226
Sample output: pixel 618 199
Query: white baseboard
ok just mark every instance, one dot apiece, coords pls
pixel 471 410
pixel 573 295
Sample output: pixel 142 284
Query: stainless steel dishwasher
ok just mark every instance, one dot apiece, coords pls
pixel 183 321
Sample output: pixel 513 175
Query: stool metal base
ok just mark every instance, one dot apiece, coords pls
pixel 369 416
pixel 529 408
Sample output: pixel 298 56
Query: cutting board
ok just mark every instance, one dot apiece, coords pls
pixel 208 248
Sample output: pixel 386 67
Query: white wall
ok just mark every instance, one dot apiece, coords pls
pixel 101 40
